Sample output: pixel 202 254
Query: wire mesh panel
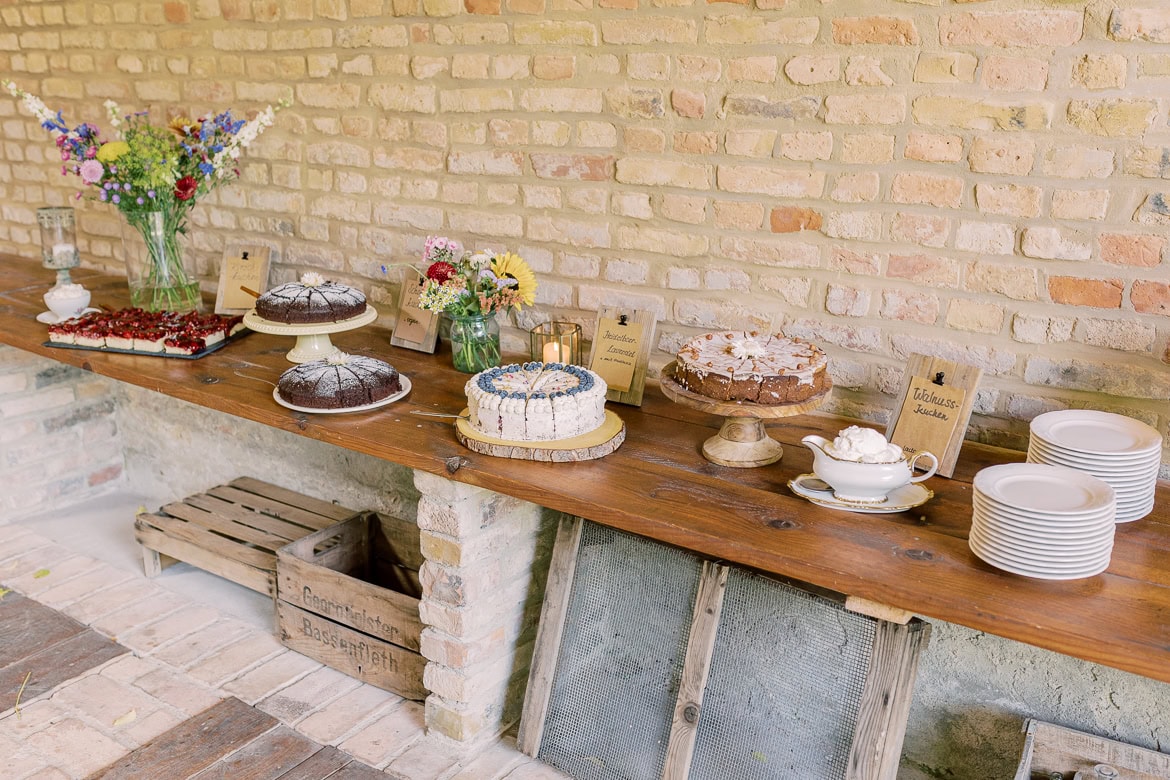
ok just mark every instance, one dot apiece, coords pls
pixel 785 685
pixel 621 656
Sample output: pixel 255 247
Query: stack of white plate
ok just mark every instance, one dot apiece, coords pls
pixel 1049 522
pixel 1119 450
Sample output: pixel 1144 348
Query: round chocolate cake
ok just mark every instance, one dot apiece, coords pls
pixel 312 299
pixel 339 381
pixel 749 366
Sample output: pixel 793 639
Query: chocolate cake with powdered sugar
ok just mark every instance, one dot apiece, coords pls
pixel 748 366
pixel 339 381
pixel 312 299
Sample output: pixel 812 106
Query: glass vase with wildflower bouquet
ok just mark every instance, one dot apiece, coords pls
pixel 153 176
pixel 471 288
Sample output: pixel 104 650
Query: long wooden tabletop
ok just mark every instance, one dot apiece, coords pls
pixel 658 485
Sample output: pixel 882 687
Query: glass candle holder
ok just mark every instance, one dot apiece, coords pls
pixel 58 241
pixel 556 342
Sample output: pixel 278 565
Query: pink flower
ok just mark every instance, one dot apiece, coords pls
pixel 91 171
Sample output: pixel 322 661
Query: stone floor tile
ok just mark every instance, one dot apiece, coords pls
pixel 48 773
pixel 54 570
pixel 310 693
pixel 18 760
pixel 15 540
pixel 174 627
pixel 139 613
pixel 202 642
pixel 492 763
pixel 178 691
pixel 424 760
pixel 98 605
pixel 76 748
pixel 277 672
pixel 100 579
pixel 346 713
pixel 388 736
pixel 536 770
pixel 33 717
pixel 27 563
pixel 232 660
pixel 104 701
pixel 135 730
pixel 128 668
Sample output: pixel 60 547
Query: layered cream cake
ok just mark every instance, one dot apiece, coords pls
pixel 748 366
pixel 536 401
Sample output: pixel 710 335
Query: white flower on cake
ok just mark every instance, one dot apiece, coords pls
pixel 864 445
pixel 337 359
pixel 312 279
pixel 747 348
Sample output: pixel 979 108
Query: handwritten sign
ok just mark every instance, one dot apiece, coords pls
pixel 242 267
pixel 416 327
pixel 621 352
pixel 937 396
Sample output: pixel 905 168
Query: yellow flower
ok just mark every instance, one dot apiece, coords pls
pixel 112 151
pixel 511 266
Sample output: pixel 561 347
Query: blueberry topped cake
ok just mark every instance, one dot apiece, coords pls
pixel 749 366
pixel 536 401
pixel 339 381
pixel 312 299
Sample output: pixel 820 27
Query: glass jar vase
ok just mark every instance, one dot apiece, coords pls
pixel 475 342
pixel 155 267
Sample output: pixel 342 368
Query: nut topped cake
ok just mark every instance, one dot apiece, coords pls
pixel 339 381
pixel 536 401
pixel 312 299
pixel 749 366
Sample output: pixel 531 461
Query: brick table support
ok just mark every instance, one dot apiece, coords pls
pixel 483 581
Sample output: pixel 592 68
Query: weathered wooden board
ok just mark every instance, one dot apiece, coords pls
pixel 938 426
pixel 359 655
pixel 268 757
pixel 324 763
pixel 193 745
pixel 885 700
pixel 1049 749
pixel 50 666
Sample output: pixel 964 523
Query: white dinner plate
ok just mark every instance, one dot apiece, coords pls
pixel 1034 572
pixel 1049 563
pixel 1120 465
pixel 1039 553
pixel 1055 524
pixel 363 408
pixel 1037 487
pixel 1005 530
pixel 1093 432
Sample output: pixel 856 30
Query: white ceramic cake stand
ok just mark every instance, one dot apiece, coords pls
pixel 312 337
pixel 742 441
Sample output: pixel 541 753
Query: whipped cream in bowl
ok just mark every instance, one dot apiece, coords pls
pixel 67 300
pixel 863 467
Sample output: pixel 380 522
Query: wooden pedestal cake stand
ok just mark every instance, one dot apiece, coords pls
pixel 742 441
pixel 312 337
pixel 588 446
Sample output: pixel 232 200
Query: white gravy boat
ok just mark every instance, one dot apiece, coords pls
pixel 863 483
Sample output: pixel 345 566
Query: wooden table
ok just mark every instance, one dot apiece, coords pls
pixel 658 485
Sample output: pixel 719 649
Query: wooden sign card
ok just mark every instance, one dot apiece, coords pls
pixel 243 269
pixel 937 396
pixel 416 328
pixel 621 352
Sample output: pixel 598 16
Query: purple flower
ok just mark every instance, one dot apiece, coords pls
pixel 150 193
pixel 126 186
pixel 117 199
pixel 140 201
pixel 104 195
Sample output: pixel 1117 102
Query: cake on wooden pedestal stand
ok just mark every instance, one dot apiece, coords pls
pixel 742 441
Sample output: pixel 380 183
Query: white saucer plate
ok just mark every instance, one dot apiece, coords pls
pixel 49 318
pixel 1093 432
pixel 898 500
pixel 1037 487
pixel 364 408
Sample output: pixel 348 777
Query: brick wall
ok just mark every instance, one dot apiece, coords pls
pixel 985 181
pixel 59 442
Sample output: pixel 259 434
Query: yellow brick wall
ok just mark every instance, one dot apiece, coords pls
pixel 985 181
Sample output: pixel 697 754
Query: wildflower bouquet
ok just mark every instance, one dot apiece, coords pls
pixel 471 287
pixel 154 176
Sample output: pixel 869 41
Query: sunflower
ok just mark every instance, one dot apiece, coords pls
pixel 511 266
pixel 183 127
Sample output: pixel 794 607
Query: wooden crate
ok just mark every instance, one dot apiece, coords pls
pixel 233 530
pixel 348 597
pixel 1051 750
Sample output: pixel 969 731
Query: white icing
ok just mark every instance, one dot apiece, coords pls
pixel 715 353
pixel 530 418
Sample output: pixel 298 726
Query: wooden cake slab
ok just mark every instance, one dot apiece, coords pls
pixel 588 446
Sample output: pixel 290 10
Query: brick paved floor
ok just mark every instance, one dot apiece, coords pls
pixel 188 652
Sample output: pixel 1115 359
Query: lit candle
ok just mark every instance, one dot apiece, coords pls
pixel 552 352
